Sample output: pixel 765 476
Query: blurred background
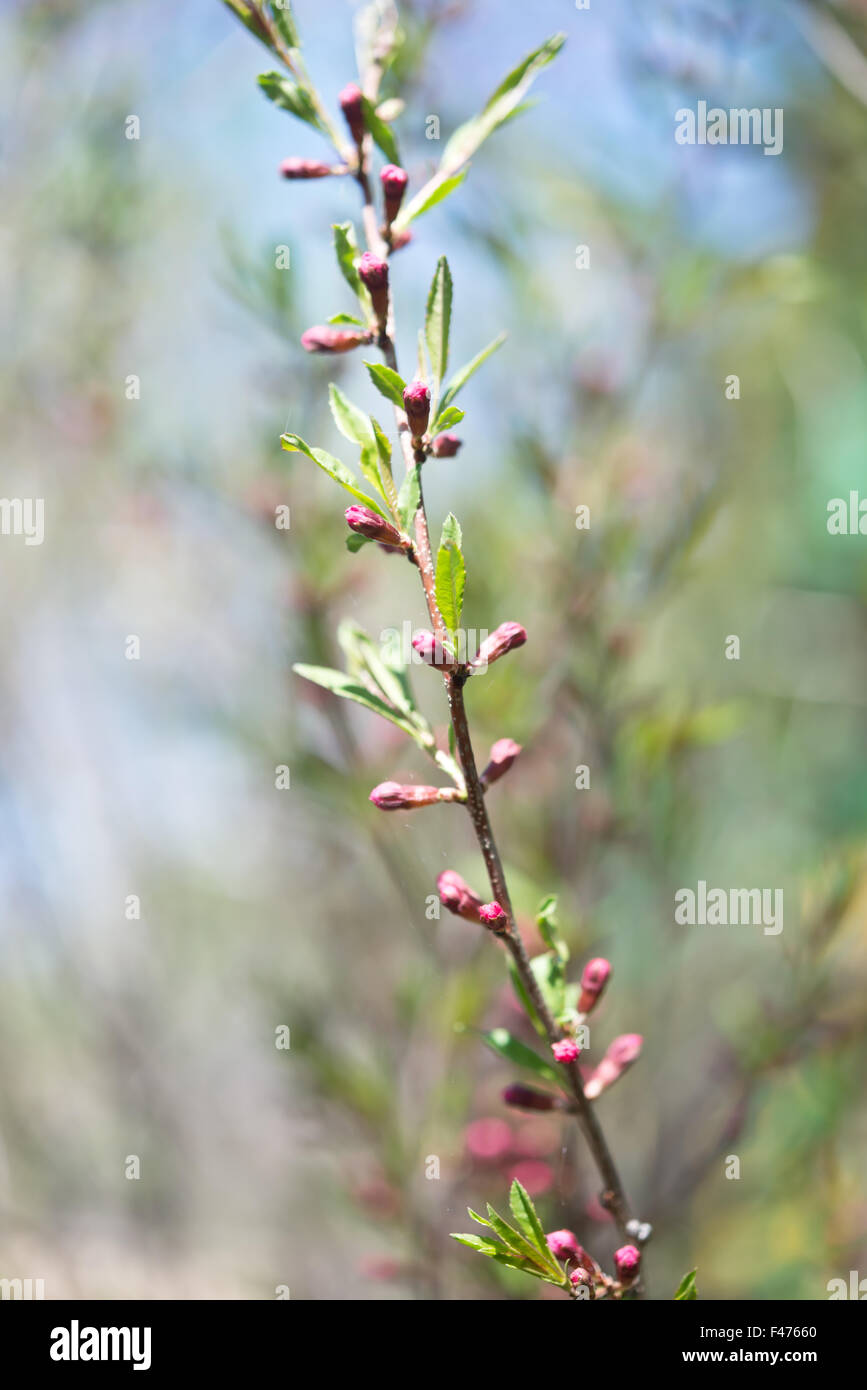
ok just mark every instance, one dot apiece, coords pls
pixel 166 908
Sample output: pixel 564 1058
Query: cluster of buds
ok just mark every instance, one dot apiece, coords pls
pixel 585 1272
pixel 374 527
pixel 503 639
pixel 391 796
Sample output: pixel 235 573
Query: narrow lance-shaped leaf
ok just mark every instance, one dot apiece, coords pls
pixel 356 426
pixel 381 133
pixel 499 106
pixel 290 96
pixel 524 1212
pixel 387 382
pixel 451 574
pixel 434 191
pixel 281 11
pixel 408 498
pixel 437 325
pixel 447 419
pixel 500 1040
pixel 383 448
pixel 462 376
pixel 686 1289
pixel 342 684
pixel 346 250
pixel 293 443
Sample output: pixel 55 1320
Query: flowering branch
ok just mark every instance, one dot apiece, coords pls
pixel 424 413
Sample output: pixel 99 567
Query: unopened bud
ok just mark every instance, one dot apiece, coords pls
pixel 594 978
pixel 627 1262
pixel 325 338
pixel 391 796
pixel 432 650
pixel 371 524
pixel 580 1276
pixel 416 403
pixel 566 1050
pixel 373 274
pixel 394 182
pixel 500 759
pixel 620 1055
pixel 563 1244
pixel 445 446
pixel 305 169
pixel 525 1098
pixel 458 896
pixel 352 105
pixel 493 916
pixel 502 640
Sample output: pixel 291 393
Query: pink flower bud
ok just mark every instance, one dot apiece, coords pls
pixel 352 106
pixel 445 446
pixel 504 639
pixel 305 169
pixel 325 338
pixel 391 796
pixel 620 1055
pixel 566 1050
pixel 627 1262
pixel 432 650
pixel 500 759
pixel 416 403
pixel 580 1276
pixel 394 182
pixel 525 1098
pixel 493 916
pixel 458 896
pixel 371 524
pixel 594 978
pixel 563 1244
pixel 373 273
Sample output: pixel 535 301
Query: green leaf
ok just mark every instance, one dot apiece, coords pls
pixel 285 22
pixel 686 1289
pixel 548 970
pixel 250 20
pixel 387 382
pixel 408 498
pixel 342 684
pixel 436 190
pixel 346 318
pixel 524 998
pixel 356 426
pixel 447 419
pixel 451 574
pixel 382 134
pixel 517 1242
pixel 383 448
pixel 437 323
pixel 364 660
pixel 500 1040
pixel 290 96
pixel 462 376
pixel 332 466
pixel 346 250
pixel 521 1206
pixel 499 106
pixel 504 1256
pixel 354 542
pixel 546 921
